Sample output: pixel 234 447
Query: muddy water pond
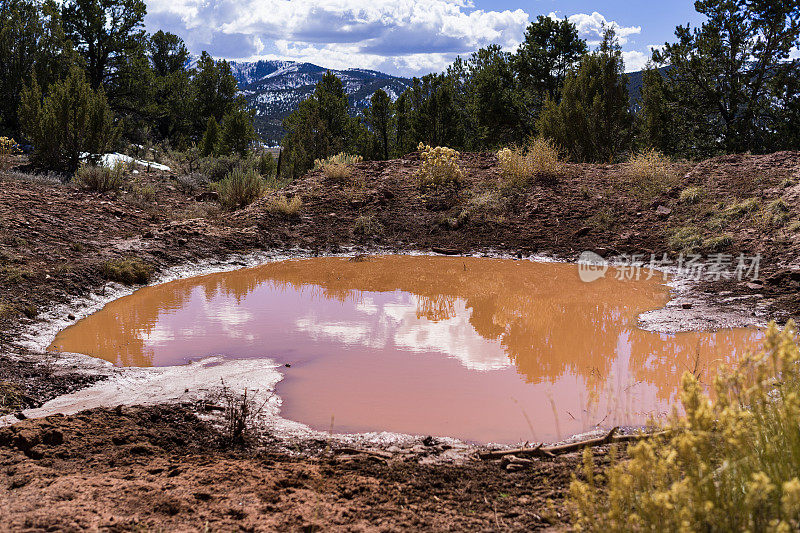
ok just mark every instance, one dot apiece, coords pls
pixel 487 350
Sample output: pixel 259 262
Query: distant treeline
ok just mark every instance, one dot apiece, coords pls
pixel 83 76
pixel 732 86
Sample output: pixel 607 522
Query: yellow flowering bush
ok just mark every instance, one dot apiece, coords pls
pixel 439 167
pixel 338 167
pixel 8 147
pixel 731 463
pixel 540 161
pixel 649 173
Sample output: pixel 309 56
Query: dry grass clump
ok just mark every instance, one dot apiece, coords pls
pixel 338 167
pixel 99 178
pixel 541 161
pixel 649 174
pixel 729 464
pixel 367 226
pixel 776 213
pixel 439 167
pixel 281 205
pixel 8 147
pixel 240 188
pixel 686 239
pixel 691 195
pixel 11 398
pixel 127 271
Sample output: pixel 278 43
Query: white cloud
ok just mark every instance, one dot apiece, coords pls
pixel 409 35
pixel 635 60
pixel 590 27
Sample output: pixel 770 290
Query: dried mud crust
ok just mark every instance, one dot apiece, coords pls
pixel 161 468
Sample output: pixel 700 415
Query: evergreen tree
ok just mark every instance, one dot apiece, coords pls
pixel 236 132
pixel 592 120
pixel 378 116
pixel 208 146
pixel 320 127
pixel 32 43
pixel 215 90
pixel 104 32
pixel 656 120
pixel 721 75
pixel 72 119
pixel 491 86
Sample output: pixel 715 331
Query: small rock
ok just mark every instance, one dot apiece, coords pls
pixel 686 305
pixel 71 316
pixel 663 212
pixel 754 286
pixel 429 441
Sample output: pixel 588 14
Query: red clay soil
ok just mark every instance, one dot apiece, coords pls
pixel 162 469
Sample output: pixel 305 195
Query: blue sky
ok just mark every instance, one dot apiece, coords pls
pixel 404 37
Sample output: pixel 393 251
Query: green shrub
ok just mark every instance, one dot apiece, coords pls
pixel 439 167
pixel 266 165
pixel 285 207
pixel 216 168
pixel 127 271
pixel 240 188
pixel 71 120
pixel 99 178
pixel 729 464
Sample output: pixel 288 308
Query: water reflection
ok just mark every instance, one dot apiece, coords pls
pixel 388 321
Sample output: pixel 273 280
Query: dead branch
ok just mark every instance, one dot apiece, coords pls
pixel 552 451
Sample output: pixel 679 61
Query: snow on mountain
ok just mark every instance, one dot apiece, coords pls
pixel 276 88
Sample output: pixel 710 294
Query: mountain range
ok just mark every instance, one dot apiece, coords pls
pixel 274 88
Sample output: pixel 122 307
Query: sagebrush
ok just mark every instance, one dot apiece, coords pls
pixel 729 464
pixel 240 188
pixel 439 167
pixel 101 178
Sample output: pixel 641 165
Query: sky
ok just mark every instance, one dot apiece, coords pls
pixel 402 37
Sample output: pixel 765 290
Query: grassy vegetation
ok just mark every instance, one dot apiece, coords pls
pixel 8 147
pixel 729 464
pixel 10 397
pixel 541 161
pixel 100 178
pixel 649 174
pixel 288 208
pixel 128 271
pixel 367 226
pixel 240 188
pixel 691 195
pixel 439 168
pixel 338 167
pixel 686 239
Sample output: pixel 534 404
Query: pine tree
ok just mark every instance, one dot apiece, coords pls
pixel 236 132
pixel 593 120
pixel 378 116
pixel 71 120
pixel 208 146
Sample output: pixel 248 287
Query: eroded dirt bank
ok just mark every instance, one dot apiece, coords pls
pixel 56 238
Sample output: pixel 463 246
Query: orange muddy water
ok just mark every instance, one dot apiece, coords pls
pixel 487 350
